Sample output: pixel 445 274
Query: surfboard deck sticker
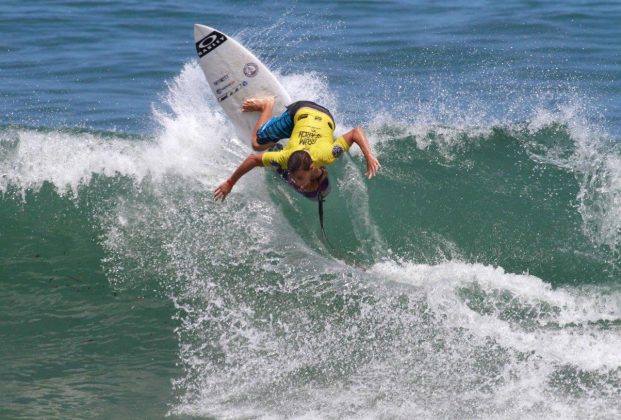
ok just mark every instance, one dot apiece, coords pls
pixel 234 74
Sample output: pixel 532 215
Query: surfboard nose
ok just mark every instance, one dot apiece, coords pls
pixel 201 31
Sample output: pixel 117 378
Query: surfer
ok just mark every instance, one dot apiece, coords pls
pixel 302 161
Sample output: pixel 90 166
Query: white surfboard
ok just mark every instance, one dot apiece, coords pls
pixel 234 74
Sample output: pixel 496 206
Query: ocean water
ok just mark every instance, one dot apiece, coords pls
pixel 477 276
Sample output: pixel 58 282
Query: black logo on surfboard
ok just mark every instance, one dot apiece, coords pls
pixel 209 43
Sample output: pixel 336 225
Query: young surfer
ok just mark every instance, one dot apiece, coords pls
pixel 302 162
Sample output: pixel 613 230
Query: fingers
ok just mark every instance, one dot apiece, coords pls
pixel 219 194
pixel 372 167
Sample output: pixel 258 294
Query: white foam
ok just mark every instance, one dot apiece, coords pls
pixel 66 160
pixel 188 142
pixel 564 327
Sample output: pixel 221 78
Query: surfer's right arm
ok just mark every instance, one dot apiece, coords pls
pixel 252 161
pixel 357 136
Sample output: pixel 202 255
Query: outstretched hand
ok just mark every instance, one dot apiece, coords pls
pixel 223 190
pixel 373 166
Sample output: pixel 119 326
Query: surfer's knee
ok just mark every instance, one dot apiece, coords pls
pixel 258 146
pixel 254 143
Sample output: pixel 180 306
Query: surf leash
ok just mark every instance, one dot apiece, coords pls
pixel 323 231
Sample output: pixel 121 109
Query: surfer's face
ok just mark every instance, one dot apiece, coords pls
pixel 303 178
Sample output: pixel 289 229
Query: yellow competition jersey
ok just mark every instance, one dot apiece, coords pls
pixel 313 131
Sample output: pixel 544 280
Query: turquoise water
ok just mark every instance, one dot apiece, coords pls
pixel 477 276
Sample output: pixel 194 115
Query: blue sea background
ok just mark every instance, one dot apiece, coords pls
pixel 477 276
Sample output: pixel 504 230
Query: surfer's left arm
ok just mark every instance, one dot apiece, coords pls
pixel 357 136
pixel 252 161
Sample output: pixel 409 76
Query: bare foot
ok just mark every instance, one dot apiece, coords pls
pixel 257 104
